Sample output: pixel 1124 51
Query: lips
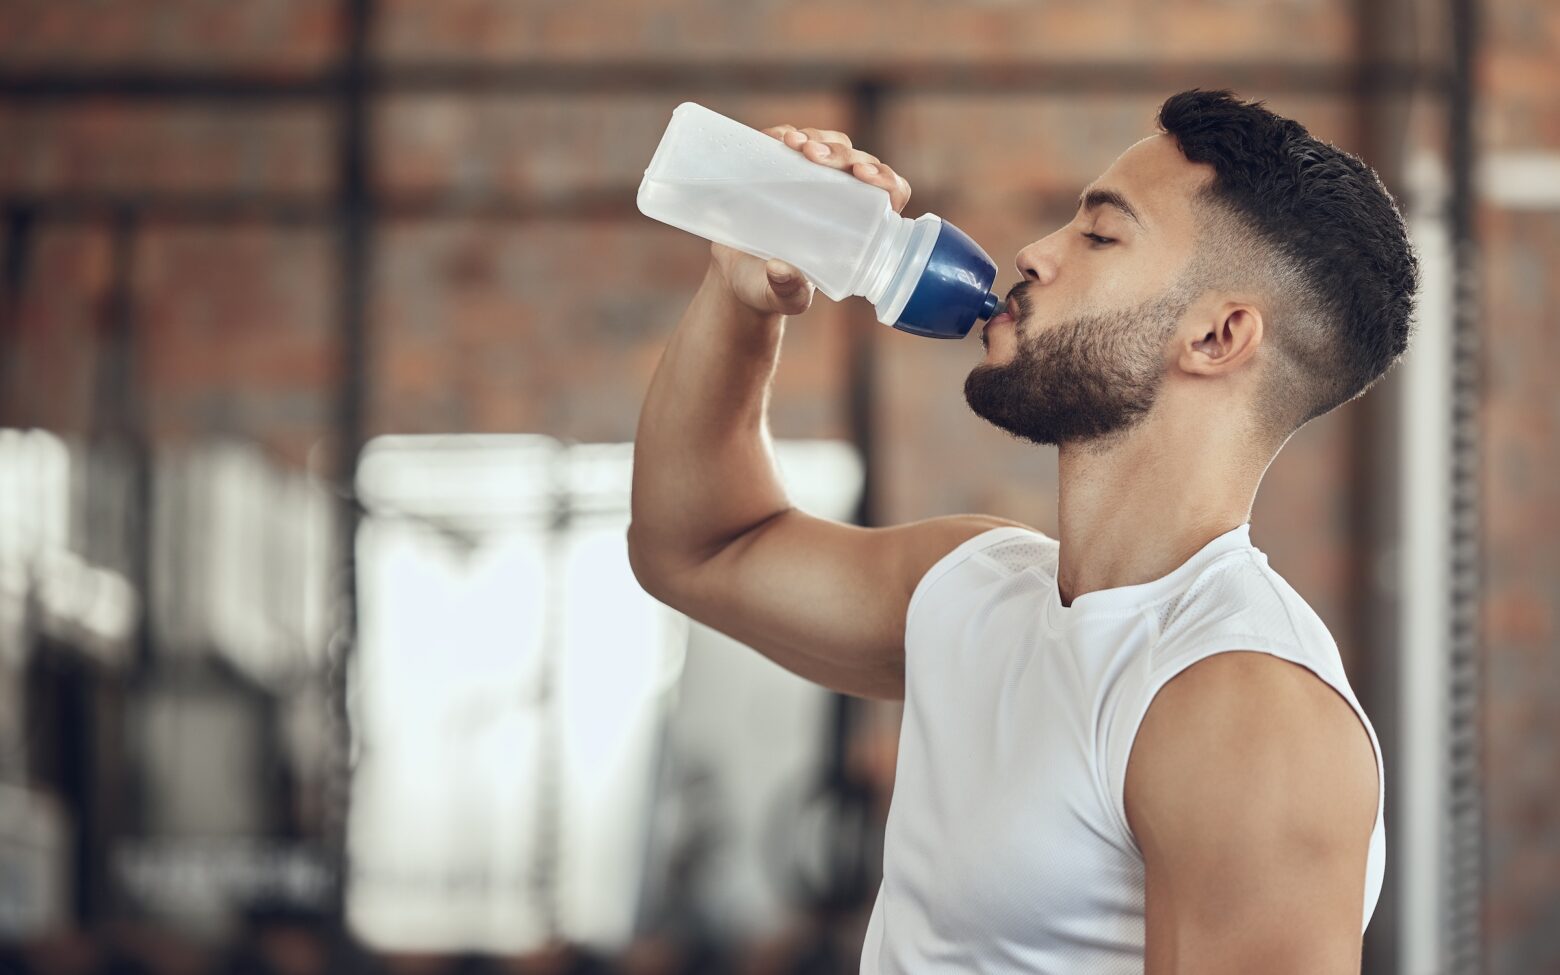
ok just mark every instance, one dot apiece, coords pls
pixel 1006 316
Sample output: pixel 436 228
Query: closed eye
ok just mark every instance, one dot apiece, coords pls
pixel 1097 240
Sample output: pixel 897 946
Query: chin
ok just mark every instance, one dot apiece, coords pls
pixel 998 357
pixel 1000 346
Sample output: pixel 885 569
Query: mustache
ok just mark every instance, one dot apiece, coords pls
pixel 1018 295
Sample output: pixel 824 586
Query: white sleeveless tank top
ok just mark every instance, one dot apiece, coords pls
pixel 1007 847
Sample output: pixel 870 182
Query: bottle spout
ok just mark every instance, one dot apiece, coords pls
pixel 952 289
pixel 989 306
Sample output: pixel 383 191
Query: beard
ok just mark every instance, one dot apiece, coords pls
pixel 1088 379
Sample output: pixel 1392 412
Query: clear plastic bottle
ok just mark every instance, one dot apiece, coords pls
pixel 723 181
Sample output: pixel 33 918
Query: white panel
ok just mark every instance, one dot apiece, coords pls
pixel 1521 180
pixel 1425 510
pixel 510 691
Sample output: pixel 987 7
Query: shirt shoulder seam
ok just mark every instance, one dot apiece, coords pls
pixel 956 557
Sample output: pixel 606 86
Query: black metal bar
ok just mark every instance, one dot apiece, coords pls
pixel 20 221
pixel 865 127
pixel 1465 934
pixel 97 208
pixel 355 229
pixel 293 210
pixel 1047 77
pixel 119 510
pixel 162 85
pixel 866 101
pixel 562 78
pixel 116 409
pixel 588 204
pixel 119 422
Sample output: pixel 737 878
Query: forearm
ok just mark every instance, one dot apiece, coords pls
pixel 703 464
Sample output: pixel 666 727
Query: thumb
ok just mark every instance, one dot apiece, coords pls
pixel 784 280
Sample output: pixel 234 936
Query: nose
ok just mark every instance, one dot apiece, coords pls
pixel 1038 262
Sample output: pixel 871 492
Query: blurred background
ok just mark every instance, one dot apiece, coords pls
pixel 324 328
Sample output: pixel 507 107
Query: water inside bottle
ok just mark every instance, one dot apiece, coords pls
pixel 822 227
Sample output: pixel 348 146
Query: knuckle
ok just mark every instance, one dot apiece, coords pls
pixel 836 153
pixel 828 135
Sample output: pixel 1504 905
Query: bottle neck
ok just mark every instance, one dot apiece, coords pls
pixel 885 253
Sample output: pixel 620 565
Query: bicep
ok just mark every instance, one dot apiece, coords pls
pixel 1252 793
pixel 823 599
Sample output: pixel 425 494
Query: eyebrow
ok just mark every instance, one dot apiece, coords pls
pixel 1094 199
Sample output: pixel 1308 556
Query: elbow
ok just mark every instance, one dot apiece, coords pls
pixel 639 560
pixel 649 570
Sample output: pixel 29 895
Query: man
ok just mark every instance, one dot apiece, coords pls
pixel 1132 748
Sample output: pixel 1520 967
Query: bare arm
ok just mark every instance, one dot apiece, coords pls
pixel 1251 789
pixel 713 533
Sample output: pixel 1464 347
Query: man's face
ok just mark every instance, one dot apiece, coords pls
pixel 1084 353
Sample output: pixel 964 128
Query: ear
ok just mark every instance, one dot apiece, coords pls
pixel 1222 342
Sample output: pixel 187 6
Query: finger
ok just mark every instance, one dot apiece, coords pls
pixel 779 131
pixel 829 135
pixel 843 156
pixel 898 188
pixel 836 154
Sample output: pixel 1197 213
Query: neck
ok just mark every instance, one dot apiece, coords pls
pixel 1135 510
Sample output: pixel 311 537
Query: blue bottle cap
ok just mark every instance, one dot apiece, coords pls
pixel 954 290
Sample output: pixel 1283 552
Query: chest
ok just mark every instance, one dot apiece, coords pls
pixel 998 823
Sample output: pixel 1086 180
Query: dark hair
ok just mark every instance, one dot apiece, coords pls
pixel 1329 238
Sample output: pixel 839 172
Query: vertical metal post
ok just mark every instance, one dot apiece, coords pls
pixel 354 230
pixel 1433 893
pixel 861 404
pixel 1375 631
pixel 861 359
pixel 1464 933
pixel 118 502
pixel 119 423
pixel 19 223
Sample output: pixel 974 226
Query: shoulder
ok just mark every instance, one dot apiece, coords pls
pixel 1252 795
pixel 1246 749
pixel 937 545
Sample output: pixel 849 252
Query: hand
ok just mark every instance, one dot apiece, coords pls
pixel 774 286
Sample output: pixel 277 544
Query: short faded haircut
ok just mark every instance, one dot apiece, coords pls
pixel 1313 227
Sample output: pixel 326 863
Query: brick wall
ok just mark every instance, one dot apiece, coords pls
pixel 1520 113
pixel 277 37
pixel 493 308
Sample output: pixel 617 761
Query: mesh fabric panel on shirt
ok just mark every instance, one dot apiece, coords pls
pixel 1174 608
pixel 1022 553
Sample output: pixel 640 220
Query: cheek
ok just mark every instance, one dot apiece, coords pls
pixel 1107 282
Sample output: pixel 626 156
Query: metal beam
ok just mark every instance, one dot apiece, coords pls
pixel 288 210
pixel 565 78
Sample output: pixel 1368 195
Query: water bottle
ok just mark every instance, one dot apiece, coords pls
pixel 717 178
